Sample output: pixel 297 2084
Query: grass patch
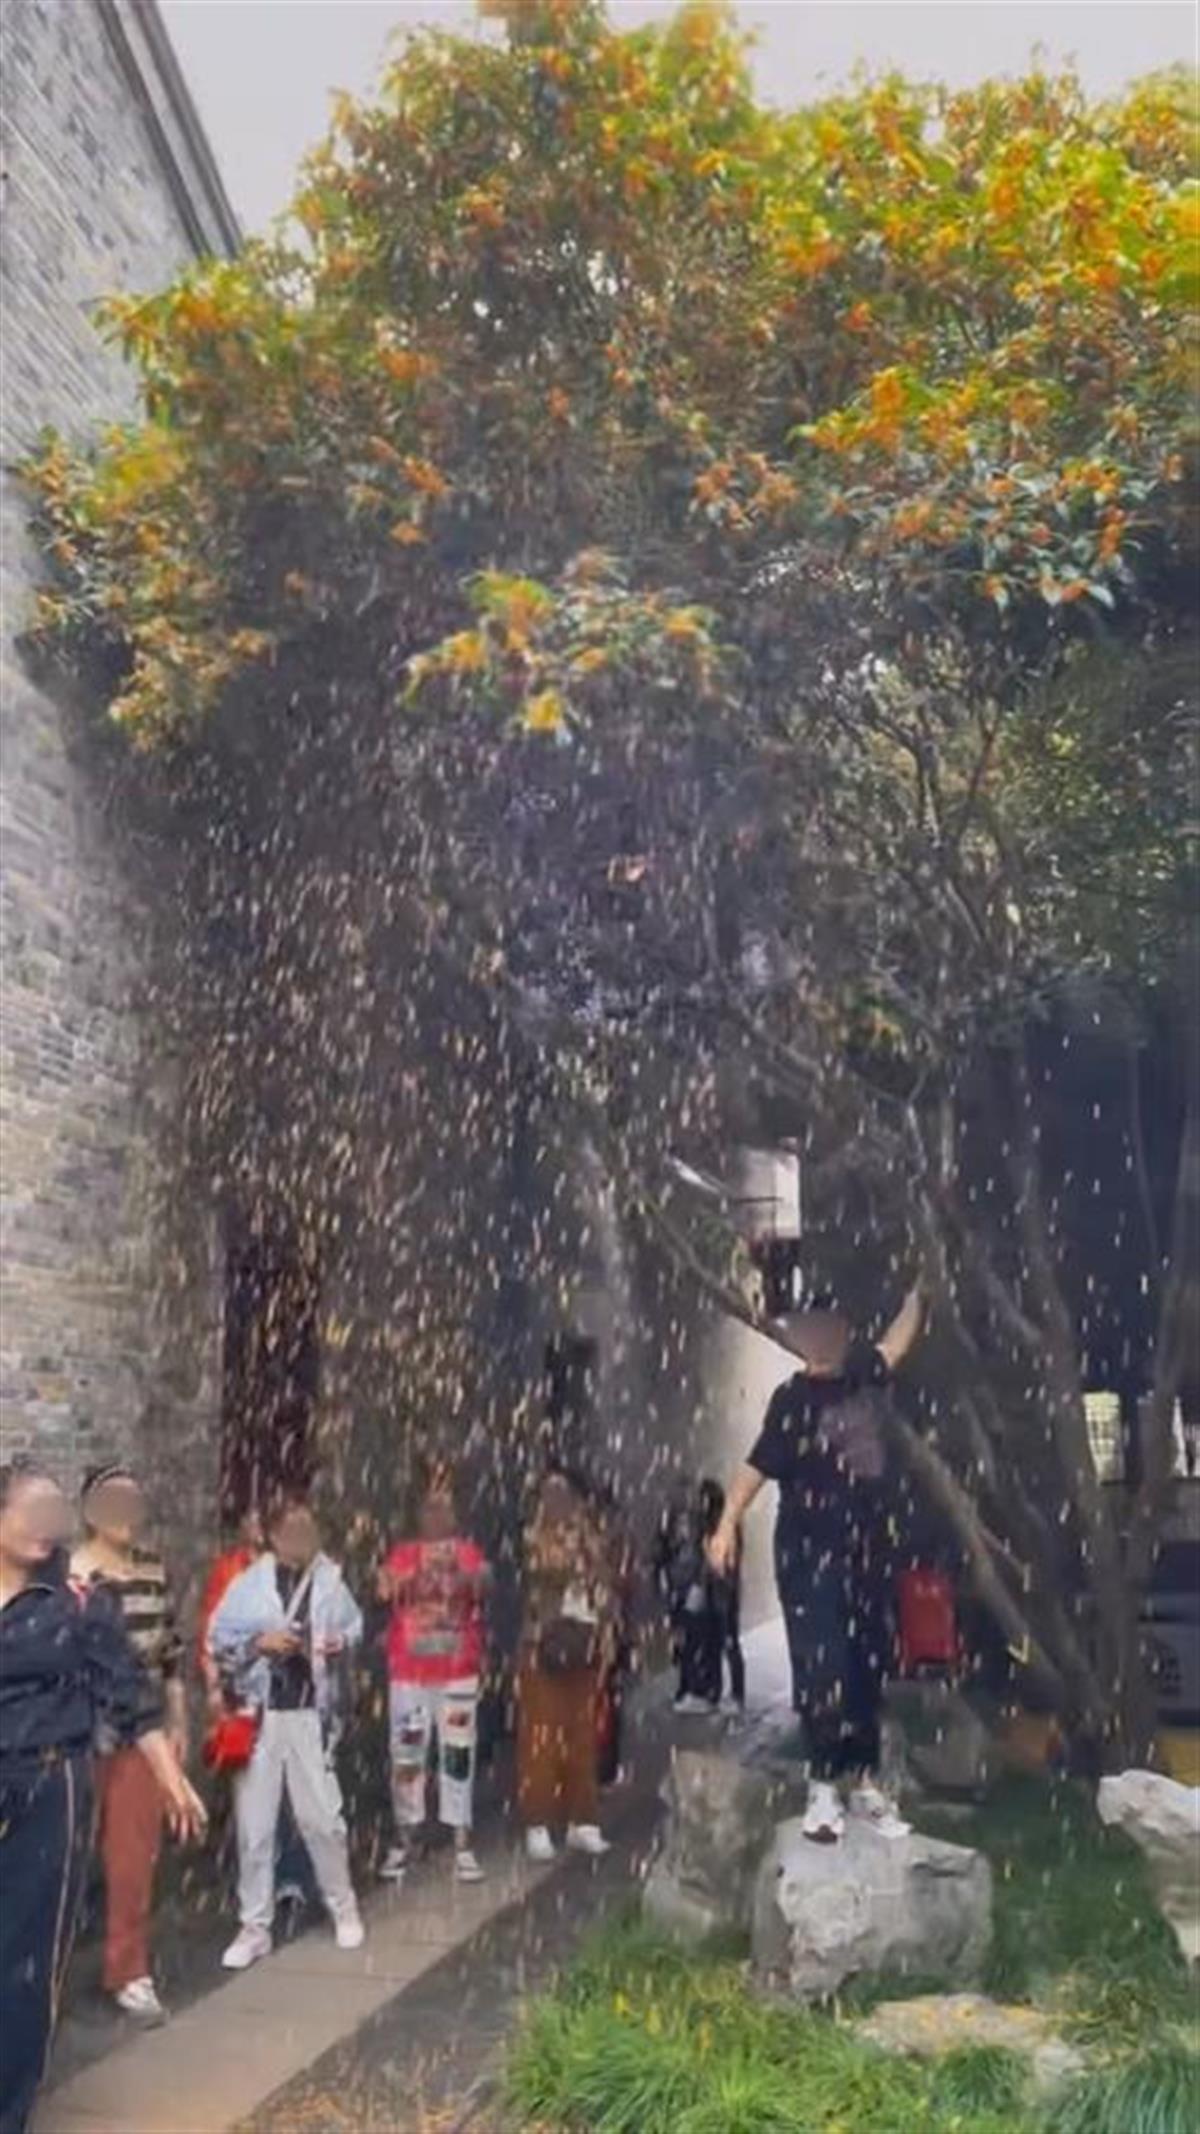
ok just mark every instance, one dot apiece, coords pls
pixel 1076 1927
pixel 641 2038
pixel 1155 2092
pixel 674 2045
pixel 980 2078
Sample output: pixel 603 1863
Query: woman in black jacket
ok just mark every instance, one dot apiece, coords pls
pixel 66 1665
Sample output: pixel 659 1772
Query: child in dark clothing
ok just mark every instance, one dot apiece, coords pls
pixel 704 1607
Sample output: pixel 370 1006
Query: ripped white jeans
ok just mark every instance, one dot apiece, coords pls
pixel 419 1713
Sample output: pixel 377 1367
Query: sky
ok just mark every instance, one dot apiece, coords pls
pixel 262 71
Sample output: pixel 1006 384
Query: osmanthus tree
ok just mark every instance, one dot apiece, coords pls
pixel 739 562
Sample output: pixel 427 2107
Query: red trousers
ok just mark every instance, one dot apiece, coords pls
pixel 131 1818
pixel 556 1745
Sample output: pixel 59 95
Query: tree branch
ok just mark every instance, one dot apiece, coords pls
pixel 1141 1169
pixel 1178 1319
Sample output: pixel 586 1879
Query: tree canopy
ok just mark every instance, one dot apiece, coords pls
pixel 745 559
pixel 584 289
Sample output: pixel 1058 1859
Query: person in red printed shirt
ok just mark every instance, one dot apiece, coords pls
pixel 436 1586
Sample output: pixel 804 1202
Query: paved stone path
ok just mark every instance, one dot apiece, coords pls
pixel 429 2059
pixel 401 2037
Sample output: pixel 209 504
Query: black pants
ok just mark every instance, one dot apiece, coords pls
pixel 707 1638
pixel 698 1648
pixel 729 1609
pixel 834 1595
pixel 45 1839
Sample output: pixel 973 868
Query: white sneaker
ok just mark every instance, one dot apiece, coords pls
pixel 587 1837
pixel 140 2001
pixel 870 1804
pixel 394 1866
pixel 466 1866
pixel 246 1949
pixel 695 1707
pixel 539 1845
pixel 348 1929
pixel 824 1818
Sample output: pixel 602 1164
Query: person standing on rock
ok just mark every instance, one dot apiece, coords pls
pixel 821 1445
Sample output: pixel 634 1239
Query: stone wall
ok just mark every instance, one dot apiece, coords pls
pixel 108 185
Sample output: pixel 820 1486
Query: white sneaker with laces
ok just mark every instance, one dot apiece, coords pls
pixel 246 1948
pixel 870 1804
pixel 824 1818
pixel 394 1865
pixel 695 1707
pixel 466 1866
pixel 348 1929
pixel 140 2000
pixel 588 1838
pixel 539 1845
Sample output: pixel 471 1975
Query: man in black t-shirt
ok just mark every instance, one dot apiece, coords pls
pixel 821 1444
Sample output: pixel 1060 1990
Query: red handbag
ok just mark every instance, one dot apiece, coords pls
pixel 230 1741
pixel 928 1621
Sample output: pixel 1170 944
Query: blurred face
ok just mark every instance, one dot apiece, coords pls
pixel 33 1523
pixel 559 1501
pixel 824 1339
pixel 116 1511
pixel 437 1516
pixel 295 1537
pixel 250 1530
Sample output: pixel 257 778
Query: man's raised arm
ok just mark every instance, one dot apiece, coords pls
pixel 902 1333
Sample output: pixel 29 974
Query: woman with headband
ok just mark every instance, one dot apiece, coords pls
pixel 130 1820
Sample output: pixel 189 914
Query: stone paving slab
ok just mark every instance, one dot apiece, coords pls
pixel 428 2061
pixel 216 2060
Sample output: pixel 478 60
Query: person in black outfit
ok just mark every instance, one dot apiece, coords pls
pixel 703 1606
pixel 66 1664
pixel 725 1599
pixel 820 1444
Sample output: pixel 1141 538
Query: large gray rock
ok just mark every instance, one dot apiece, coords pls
pixel 1163 1819
pixel 869 1905
pixel 722 1807
pixel 934 1741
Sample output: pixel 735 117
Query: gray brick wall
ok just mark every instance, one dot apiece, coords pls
pixel 107 1305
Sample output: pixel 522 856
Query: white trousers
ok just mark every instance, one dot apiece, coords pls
pixel 419 1711
pixel 289 1751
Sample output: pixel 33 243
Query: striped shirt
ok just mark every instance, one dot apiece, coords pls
pixel 147 1612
